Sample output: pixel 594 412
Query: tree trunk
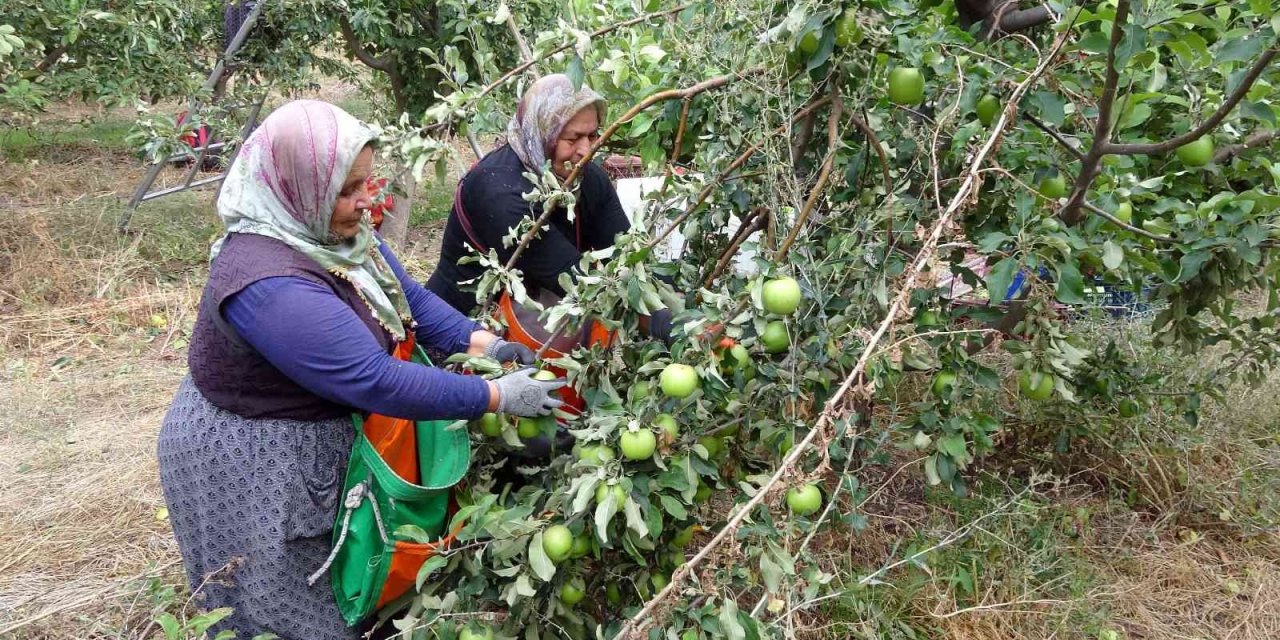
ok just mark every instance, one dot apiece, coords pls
pixel 395 225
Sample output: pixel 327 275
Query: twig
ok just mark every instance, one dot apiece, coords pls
pixel 684 121
pixel 733 166
pixel 1208 125
pixel 518 69
pixel 1126 226
pixel 884 170
pixel 526 55
pixel 754 222
pixel 1055 135
pixel 634 626
pixel 833 145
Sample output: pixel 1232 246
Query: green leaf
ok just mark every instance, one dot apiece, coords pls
pixel 202 622
pixel 433 564
pixel 954 446
pixel 1241 49
pixel 770 572
pixel 1070 283
pixel 635 520
pixel 1051 106
pixel 575 72
pixel 542 565
pixel 730 626
pixel 1133 43
pixel 172 630
pixel 673 507
pixel 1000 277
pixel 412 532
pixel 1112 255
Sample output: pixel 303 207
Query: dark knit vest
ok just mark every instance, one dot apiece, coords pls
pixel 227 370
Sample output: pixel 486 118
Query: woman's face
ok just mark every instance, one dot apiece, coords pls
pixel 353 200
pixel 579 133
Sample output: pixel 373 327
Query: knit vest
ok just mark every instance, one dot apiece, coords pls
pixel 231 373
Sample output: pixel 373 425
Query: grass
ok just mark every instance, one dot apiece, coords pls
pixel 57 138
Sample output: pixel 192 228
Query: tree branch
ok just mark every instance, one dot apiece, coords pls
pixel 1055 135
pixel 833 144
pixel 1092 162
pixel 1256 139
pixel 1126 226
pixel 50 59
pixel 1208 125
pixel 754 222
pixel 358 52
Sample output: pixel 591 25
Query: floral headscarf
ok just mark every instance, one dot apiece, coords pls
pixel 545 108
pixel 283 185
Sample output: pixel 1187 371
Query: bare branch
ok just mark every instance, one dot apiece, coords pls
pixel 1126 226
pixel 1209 124
pixel 684 122
pixel 357 51
pixel 833 145
pixel 518 69
pixel 733 166
pixel 1259 66
pixel 1055 135
pixel 1256 139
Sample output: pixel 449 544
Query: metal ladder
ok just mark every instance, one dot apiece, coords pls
pixel 143 192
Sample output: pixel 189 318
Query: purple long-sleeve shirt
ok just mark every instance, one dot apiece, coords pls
pixel 315 339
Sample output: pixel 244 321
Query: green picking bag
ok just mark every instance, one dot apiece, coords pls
pixel 400 473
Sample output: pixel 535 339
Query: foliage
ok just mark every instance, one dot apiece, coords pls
pixel 1208 240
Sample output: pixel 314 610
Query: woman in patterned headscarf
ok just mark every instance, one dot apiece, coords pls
pixel 295 333
pixel 554 125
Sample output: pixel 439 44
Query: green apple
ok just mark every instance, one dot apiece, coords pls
pixel 476 633
pixel 638 445
pixel 943 383
pixel 595 454
pixel 1036 385
pixel 804 500
pixel 557 542
pixel 775 337
pixel 1124 212
pixel 491 425
pixel 668 424
pixel 683 537
pixel 906 86
pixel 848 32
pixel 678 380
pixel 781 296
pixel 573 591
pixel 988 108
pixel 602 494
pixel 1053 187
pixel 1196 153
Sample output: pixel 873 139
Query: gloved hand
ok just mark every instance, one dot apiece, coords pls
pixel 504 351
pixel 660 325
pixel 520 395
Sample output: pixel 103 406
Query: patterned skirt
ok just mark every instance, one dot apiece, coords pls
pixel 252 504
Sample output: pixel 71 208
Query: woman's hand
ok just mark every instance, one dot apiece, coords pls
pixel 504 351
pixel 519 394
pixel 489 345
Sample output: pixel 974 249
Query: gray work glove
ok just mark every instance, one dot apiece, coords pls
pixel 520 395
pixel 504 351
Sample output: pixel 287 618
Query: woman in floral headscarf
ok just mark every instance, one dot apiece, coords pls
pixel 554 125
pixel 295 332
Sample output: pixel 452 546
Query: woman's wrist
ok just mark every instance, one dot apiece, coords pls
pixel 495 397
pixel 479 340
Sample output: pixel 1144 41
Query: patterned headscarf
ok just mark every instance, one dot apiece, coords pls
pixel 545 108
pixel 283 185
